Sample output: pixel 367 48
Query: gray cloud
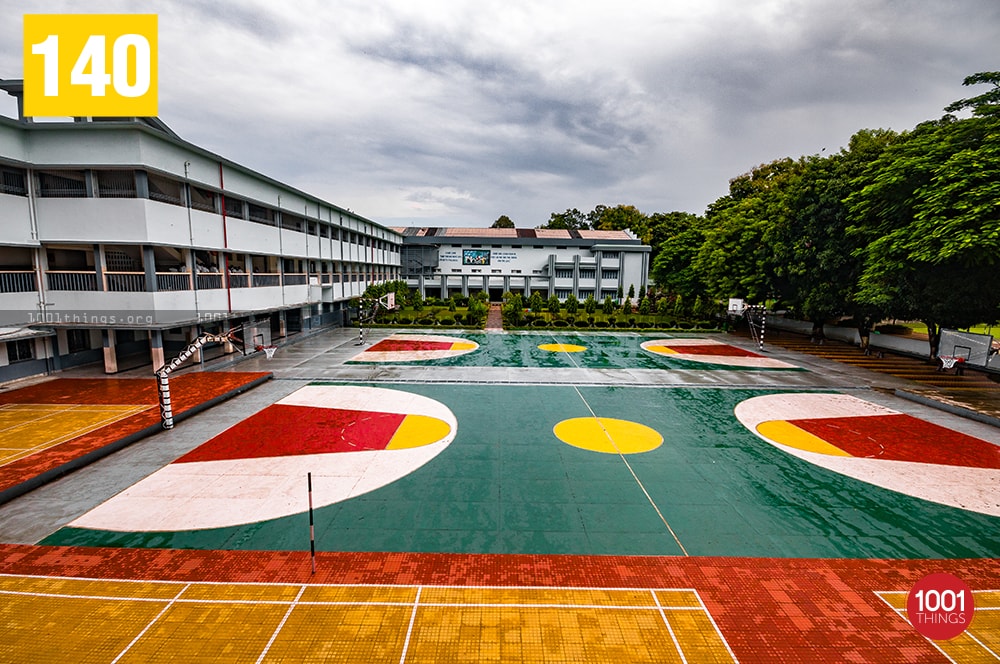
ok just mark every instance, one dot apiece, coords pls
pixel 453 113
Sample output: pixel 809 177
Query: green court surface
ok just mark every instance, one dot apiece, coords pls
pixel 521 349
pixel 507 484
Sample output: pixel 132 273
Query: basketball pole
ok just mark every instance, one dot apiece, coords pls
pixel 312 528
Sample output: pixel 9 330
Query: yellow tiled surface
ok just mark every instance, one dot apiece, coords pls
pixel 980 642
pixel 81 620
pixel 28 428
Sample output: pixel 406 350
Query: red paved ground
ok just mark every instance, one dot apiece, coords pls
pixel 392 345
pixel 769 610
pixel 187 392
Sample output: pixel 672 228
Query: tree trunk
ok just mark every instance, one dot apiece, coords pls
pixel 817 336
pixel 933 337
pixel 864 325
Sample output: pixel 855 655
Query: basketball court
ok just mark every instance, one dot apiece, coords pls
pixel 533 497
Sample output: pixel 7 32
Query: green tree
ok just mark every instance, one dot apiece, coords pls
pixel 627 306
pixel 512 310
pixel 536 303
pixel 571 219
pixel 503 221
pixel 590 304
pixel 572 304
pixel 926 215
pixel 631 291
pixel 676 239
pixel 554 305
pixel 644 306
pixel 609 306
pixel 619 218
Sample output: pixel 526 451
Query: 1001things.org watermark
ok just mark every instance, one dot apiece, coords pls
pixel 113 318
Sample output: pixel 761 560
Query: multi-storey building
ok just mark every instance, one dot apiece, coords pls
pixel 121 242
pixel 440 262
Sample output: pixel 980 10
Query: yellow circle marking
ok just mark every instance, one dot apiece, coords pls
pixel 663 350
pixel 417 431
pixel 607 435
pixel 563 348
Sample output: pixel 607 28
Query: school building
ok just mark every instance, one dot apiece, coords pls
pixel 121 242
pixel 440 262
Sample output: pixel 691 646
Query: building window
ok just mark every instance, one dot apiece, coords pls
pixel 609 274
pixel 612 255
pixel 115 184
pixel 536 271
pixel 234 207
pixel 584 294
pixel 260 214
pixel 62 184
pixel 78 340
pixel 20 350
pixel 515 272
pixel 564 274
pixel 496 271
pixel 202 199
pixel 164 189
pixel 289 222
pixel 13 181
pixel 455 269
pixel 608 293
pixel 562 294
pixel 588 274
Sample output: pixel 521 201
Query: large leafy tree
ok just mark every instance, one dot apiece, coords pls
pixel 813 258
pixel 735 260
pixel 928 210
pixel 619 218
pixel 503 221
pixel 571 219
pixel 676 238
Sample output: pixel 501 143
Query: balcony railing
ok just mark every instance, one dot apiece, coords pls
pixel 125 282
pixel 239 280
pixel 261 279
pixel 209 280
pixel 71 280
pixel 173 281
pixel 296 279
pixel 17 281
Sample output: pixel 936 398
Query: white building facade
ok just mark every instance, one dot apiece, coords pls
pixel 440 262
pixel 120 243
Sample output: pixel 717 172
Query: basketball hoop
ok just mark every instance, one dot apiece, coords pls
pixel 268 350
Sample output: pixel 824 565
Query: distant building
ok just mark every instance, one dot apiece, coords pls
pixel 439 262
pixel 120 243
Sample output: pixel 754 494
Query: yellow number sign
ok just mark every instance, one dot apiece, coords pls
pixel 90 65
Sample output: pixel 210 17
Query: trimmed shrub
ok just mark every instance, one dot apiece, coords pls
pixel 601 323
pixel 560 323
pixel 426 321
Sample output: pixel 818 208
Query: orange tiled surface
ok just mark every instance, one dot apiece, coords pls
pixel 187 391
pixel 766 610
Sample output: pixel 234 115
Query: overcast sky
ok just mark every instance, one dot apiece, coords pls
pixel 452 113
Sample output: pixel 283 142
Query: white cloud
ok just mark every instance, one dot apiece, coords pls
pixel 454 112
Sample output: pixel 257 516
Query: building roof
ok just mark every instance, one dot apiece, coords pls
pixel 511 233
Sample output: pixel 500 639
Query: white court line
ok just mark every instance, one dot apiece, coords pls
pixel 284 619
pixel 624 460
pixel 673 637
pixel 409 628
pixel 902 614
pixel 150 624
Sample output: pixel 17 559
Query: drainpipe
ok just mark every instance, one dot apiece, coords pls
pixel 225 241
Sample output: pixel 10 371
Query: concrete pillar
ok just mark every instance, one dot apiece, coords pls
pixel 156 348
pixel 149 266
pixel 110 356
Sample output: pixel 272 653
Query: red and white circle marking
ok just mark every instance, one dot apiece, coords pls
pixel 414 347
pixel 711 351
pixel 352 439
pixel 880 446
